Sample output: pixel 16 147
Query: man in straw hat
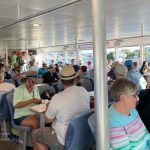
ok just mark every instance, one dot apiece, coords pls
pixel 62 108
pixel 25 97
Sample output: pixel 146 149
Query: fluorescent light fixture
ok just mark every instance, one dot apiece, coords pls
pixel 36 25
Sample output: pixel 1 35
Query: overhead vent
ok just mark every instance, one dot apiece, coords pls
pixel 118 43
pixel 65 47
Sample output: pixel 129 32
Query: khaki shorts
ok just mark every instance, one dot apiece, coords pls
pixel 48 137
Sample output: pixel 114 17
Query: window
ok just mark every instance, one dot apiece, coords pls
pixel 71 55
pixel 55 56
pixel 129 53
pixel 111 53
pixel 86 55
pixel 147 53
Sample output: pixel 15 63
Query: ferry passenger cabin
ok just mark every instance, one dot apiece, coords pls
pixel 40 39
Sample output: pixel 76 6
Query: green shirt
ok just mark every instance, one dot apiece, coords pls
pixel 1 76
pixel 13 59
pixel 21 94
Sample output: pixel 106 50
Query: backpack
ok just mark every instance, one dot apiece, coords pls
pixel 143 107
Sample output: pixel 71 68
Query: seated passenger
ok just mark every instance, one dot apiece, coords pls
pixel 136 66
pixel 50 76
pixel 57 69
pixel 126 129
pixel 89 65
pixel 144 69
pixel 3 73
pixel 33 66
pixel 111 73
pixel 120 71
pixel 25 97
pixel 135 76
pixel 43 70
pixel 109 64
pixel 82 75
pixel 83 72
pixel 76 68
pixel 17 76
pixel 62 108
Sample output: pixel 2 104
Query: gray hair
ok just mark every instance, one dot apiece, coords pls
pixel 122 86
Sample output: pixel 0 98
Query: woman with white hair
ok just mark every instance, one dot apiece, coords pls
pixel 126 129
pixel 120 71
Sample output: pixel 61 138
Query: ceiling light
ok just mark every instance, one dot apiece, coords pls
pixel 81 40
pixel 36 25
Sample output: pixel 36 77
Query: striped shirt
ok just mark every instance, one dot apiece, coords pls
pixel 127 132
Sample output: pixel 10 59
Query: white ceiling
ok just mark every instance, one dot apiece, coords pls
pixel 124 18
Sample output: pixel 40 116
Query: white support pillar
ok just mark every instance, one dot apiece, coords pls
pixel 101 98
pixel 42 50
pixel 66 56
pixel 6 52
pixel 18 9
pixel 141 54
pixel 116 54
pixel 77 53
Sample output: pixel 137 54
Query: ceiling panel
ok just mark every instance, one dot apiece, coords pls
pixel 122 4
pixel 8 11
pixel 78 10
pixel 41 4
pixel 9 2
pixel 124 18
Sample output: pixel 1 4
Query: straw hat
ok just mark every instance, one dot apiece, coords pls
pixel 30 75
pixel 68 73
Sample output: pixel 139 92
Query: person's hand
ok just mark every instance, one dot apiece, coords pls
pixel 35 100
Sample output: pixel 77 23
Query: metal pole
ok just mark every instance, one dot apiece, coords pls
pixel 141 54
pixel 77 53
pixel 6 51
pixel 116 53
pixel 99 34
pixel 66 56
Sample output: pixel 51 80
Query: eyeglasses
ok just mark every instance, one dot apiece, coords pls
pixel 135 95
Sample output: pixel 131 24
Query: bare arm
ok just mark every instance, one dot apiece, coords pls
pixel 47 120
pixel 24 103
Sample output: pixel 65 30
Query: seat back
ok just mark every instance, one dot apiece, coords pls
pixel 58 86
pixel 45 88
pixel 24 129
pixel 90 73
pixel 9 98
pixel 9 81
pixel 143 107
pixel 91 122
pixel 87 84
pixel 4 112
pixel 79 136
